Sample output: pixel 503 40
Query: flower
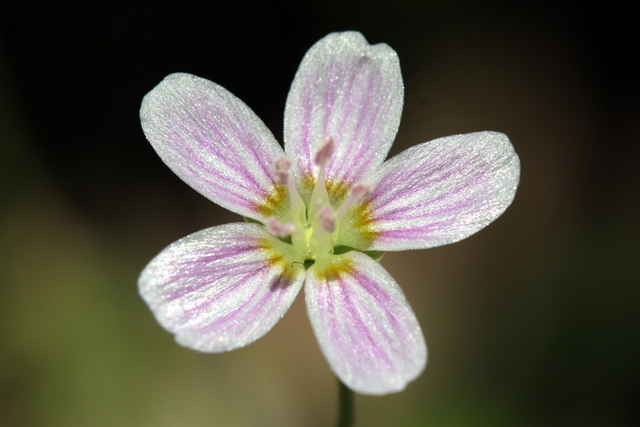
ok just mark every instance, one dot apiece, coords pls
pixel 319 213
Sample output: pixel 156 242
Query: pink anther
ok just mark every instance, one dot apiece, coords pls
pixel 327 218
pixel 281 170
pixel 326 150
pixel 279 229
pixel 360 191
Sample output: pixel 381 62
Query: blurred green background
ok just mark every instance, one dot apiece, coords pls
pixel 534 321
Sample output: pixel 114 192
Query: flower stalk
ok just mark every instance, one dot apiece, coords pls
pixel 346 412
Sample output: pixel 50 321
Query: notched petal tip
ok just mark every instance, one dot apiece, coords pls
pixel 354 38
pixel 350 90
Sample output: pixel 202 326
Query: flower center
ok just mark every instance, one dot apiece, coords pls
pixel 315 227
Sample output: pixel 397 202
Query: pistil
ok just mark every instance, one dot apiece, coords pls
pixel 314 229
pixel 298 217
pixel 321 215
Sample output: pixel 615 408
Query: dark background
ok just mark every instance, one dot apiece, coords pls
pixel 533 321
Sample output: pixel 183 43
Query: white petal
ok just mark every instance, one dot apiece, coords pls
pixel 213 141
pixel 365 327
pixel 221 288
pixel 442 191
pixel 348 90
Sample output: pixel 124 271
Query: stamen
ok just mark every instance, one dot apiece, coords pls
pixel 281 169
pixel 359 192
pixel 324 224
pixel 279 229
pixel 320 197
pixel 327 218
pixel 324 153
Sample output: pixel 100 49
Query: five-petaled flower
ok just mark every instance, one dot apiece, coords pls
pixel 320 211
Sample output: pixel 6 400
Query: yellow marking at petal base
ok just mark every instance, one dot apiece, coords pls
pixel 277 259
pixel 363 220
pixel 275 203
pixel 308 183
pixel 334 269
pixel 337 190
pixel 356 229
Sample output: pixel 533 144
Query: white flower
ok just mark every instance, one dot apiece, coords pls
pixel 321 210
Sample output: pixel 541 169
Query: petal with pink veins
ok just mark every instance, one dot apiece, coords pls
pixel 365 327
pixel 442 191
pixel 348 90
pixel 213 141
pixel 221 288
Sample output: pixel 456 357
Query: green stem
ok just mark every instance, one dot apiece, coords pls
pixel 345 415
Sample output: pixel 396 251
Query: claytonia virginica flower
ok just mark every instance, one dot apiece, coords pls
pixel 320 212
